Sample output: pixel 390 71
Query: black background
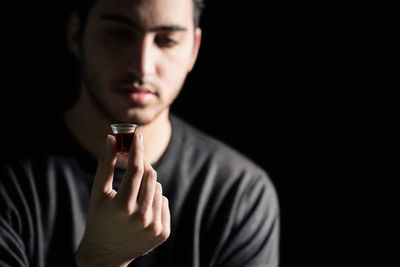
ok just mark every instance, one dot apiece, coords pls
pixel 275 81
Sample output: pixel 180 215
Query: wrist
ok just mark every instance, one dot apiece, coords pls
pixel 91 257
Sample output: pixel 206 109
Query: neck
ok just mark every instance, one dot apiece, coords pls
pixel 90 127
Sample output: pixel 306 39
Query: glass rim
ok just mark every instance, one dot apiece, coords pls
pixel 123 127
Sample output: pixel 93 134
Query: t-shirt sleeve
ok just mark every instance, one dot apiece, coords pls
pixel 22 242
pixel 254 239
pixel 12 248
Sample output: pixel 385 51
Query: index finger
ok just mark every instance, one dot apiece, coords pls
pixel 132 178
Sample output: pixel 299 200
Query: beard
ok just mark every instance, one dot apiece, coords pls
pixel 110 105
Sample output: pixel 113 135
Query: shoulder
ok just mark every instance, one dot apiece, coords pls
pixel 233 190
pixel 228 164
pixel 28 175
pixel 23 173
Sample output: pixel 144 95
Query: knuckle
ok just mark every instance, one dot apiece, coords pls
pixel 155 229
pixel 159 190
pixel 145 218
pixel 165 200
pixel 153 174
pixel 159 186
pixel 165 233
pixel 137 169
pixel 127 208
pixel 151 177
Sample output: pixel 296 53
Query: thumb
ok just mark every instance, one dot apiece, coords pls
pixel 102 184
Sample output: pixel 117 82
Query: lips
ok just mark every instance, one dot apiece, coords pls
pixel 137 95
pixel 132 89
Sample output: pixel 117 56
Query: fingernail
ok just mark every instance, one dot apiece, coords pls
pixel 141 137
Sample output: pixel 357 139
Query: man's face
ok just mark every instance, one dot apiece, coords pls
pixel 135 56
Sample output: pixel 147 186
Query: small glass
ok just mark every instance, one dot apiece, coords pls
pixel 123 133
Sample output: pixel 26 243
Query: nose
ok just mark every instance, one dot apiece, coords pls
pixel 141 60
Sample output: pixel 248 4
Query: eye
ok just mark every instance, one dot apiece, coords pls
pixel 164 40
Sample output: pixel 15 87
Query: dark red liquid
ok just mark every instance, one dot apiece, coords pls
pixel 124 141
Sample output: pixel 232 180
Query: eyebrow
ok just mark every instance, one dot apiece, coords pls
pixel 131 23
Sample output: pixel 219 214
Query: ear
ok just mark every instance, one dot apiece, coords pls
pixel 74 34
pixel 196 47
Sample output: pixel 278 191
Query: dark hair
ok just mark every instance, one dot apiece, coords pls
pixel 83 8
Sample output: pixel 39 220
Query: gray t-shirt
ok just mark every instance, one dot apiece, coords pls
pixel 224 208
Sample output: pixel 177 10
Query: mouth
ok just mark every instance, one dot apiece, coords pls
pixel 140 95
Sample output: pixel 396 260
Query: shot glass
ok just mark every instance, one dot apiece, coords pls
pixel 124 135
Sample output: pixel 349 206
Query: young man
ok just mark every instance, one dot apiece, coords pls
pixel 179 198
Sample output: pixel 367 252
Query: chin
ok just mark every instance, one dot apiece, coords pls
pixel 143 116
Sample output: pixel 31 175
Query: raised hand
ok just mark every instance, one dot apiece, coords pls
pixel 124 225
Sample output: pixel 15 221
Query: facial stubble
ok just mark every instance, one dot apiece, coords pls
pixel 93 87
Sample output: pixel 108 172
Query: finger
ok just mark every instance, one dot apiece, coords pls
pixel 166 217
pixel 103 180
pixel 132 178
pixel 147 188
pixel 157 204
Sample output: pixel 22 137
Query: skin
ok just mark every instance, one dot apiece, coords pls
pixel 115 55
pixel 153 48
